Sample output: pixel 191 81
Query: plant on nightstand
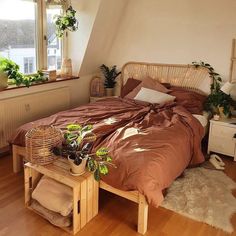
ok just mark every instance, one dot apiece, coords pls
pixel 217 101
pixel 77 148
pixel 110 75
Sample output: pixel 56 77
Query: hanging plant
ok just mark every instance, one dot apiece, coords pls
pixel 66 22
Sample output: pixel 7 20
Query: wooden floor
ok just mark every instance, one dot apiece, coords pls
pixel 116 216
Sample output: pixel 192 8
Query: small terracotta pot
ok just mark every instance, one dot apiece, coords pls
pixel 78 169
pixel 109 92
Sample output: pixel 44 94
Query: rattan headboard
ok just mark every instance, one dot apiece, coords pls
pixel 185 76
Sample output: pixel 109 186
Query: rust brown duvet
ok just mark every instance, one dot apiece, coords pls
pixel 151 145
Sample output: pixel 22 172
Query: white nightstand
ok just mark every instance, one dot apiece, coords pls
pixel 221 137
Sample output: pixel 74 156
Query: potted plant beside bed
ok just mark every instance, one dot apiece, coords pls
pixel 110 75
pixel 217 102
pixel 77 146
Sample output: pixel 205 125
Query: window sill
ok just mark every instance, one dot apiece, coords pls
pixel 11 87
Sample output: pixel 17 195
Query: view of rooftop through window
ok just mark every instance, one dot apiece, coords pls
pixel 18 30
pixel 18 27
pixel 54 47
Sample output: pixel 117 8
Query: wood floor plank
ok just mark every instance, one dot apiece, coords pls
pixel 117 216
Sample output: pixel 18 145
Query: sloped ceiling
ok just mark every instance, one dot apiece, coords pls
pixel 99 21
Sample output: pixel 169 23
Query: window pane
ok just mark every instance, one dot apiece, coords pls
pixel 18 31
pixel 54 47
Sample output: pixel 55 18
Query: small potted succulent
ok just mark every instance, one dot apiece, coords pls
pixel 77 147
pixel 217 101
pixel 66 22
pixel 110 75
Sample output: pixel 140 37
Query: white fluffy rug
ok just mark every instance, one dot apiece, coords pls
pixel 203 195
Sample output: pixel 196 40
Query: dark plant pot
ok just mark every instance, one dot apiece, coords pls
pixel 109 92
pixel 78 169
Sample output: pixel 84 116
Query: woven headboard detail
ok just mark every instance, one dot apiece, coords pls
pixel 185 76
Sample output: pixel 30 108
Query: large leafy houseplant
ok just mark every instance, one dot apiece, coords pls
pixel 14 75
pixel 110 75
pixel 217 99
pixel 77 146
pixel 66 22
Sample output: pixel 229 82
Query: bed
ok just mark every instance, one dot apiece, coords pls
pixel 155 153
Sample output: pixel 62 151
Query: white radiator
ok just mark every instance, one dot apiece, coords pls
pixel 17 111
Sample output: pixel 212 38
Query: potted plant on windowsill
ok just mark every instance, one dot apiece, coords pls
pixel 217 102
pixel 77 146
pixel 110 75
pixel 14 76
pixel 3 80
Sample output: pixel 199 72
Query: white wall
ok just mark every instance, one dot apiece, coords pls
pixel 78 41
pixel 104 31
pixel 180 31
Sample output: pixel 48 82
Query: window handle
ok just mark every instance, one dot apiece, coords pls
pixel 45 37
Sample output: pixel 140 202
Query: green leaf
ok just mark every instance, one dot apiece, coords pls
pixel 71 136
pixel 91 165
pixel 74 127
pixel 108 159
pixel 96 175
pixel 103 169
pixel 87 128
pixel 79 140
pixel 102 152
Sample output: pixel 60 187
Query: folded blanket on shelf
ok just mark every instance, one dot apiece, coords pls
pixel 54 196
pixel 53 217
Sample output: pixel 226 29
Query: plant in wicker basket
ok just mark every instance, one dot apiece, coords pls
pixel 77 147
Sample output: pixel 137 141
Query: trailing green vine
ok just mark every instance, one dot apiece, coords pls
pixel 217 98
pixel 16 77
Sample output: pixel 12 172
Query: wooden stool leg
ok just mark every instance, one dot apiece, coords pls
pixel 76 214
pixel 17 160
pixel 83 203
pixel 95 197
pixel 142 215
pixel 27 176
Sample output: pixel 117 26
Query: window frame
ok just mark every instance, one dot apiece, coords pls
pixel 41 35
pixel 42 59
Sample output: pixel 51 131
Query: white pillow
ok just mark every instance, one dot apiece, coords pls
pixel 153 96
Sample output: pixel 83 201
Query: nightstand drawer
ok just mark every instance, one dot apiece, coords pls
pixel 223 131
pixel 223 145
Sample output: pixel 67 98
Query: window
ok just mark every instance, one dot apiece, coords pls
pixel 18 30
pixel 27 34
pixel 29 65
pixel 54 45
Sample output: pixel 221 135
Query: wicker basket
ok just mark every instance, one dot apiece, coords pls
pixel 97 87
pixel 39 143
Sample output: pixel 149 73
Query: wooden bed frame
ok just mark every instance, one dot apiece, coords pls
pixel 185 76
